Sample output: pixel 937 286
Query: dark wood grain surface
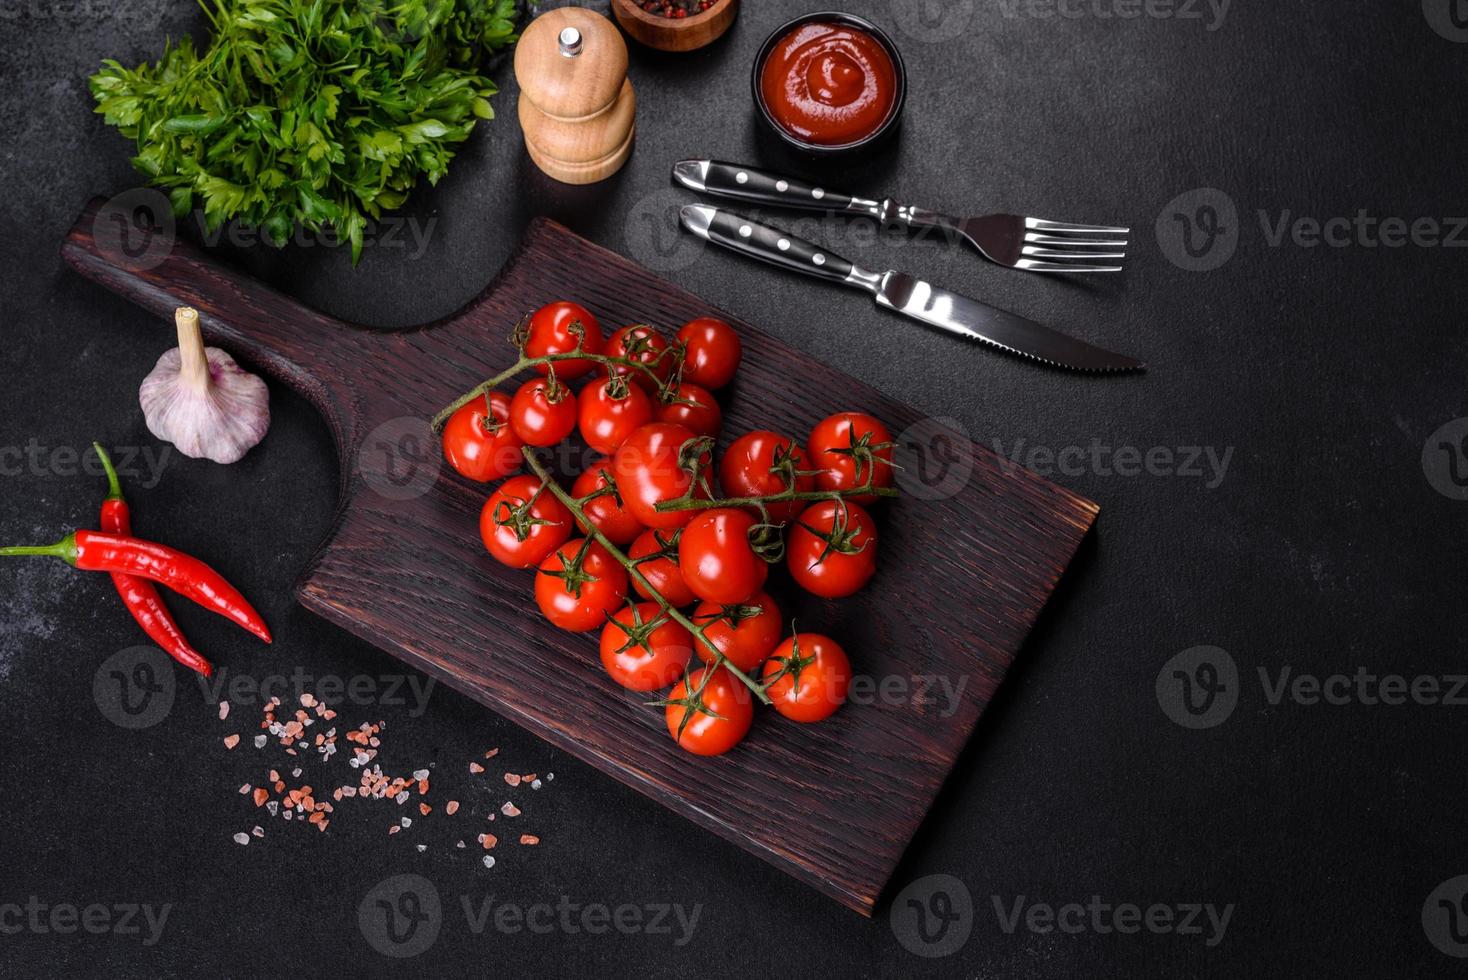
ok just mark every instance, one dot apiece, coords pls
pixel 968 556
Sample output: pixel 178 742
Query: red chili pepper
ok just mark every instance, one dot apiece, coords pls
pixel 94 551
pixel 139 595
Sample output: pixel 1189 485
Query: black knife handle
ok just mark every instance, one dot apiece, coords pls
pixel 743 183
pixel 762 242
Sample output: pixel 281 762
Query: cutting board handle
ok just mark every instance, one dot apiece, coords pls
pixel 317 355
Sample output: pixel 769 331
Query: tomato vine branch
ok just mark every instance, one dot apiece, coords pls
pixel 576 509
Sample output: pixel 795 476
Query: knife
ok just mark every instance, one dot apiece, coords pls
pixel 903 293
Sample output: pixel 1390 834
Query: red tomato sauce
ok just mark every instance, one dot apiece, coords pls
pixel 829 84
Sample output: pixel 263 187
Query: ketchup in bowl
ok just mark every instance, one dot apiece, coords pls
pixel 829 84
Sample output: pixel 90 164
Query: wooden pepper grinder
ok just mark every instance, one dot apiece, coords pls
pixel 577 108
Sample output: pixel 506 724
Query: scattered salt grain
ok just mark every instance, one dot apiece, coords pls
pixel 260 741
pixel 510 810
pixel 258 831
pixel 242 838
pixel 535 784
pixel 475 767
pixel 245 789
pixel 489 860
pixel 422 848
pixel 231 741
pixel 529 839
pixel 420 774
pixel 406 822
pixel 512 779
pixel 452 807
pixel 223 710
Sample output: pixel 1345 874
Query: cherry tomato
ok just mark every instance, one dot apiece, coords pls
pixel 693 408
pixel 579 584
pixel 482 446
pixel 709 714
pixel 763 463
pixel 745 633
pixel 647 470
pixel 807 677
pixel 643 649
pixel 661 572
pixel 848 449
pixel 558 329
pixel 607 420
pixel 832 550
pixel 712 352
pixel 607 511
pixel 643 344
pixel 521 529
pixel 543 414
pixel 717 559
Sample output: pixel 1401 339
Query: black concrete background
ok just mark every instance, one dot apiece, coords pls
pixel 1324 548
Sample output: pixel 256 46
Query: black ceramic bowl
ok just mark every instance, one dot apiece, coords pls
pixel 899 71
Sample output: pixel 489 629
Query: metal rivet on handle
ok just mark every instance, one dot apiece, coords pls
pixel 783 244
pixel 817 193
pixel 818 259
pixel 745 231
pixel 782 186
pixel 742 177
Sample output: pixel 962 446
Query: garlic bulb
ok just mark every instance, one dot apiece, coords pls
pixel 200 400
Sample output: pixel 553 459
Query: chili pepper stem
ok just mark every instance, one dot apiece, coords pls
pixel 574 506
pixel 65 549
pixel 114 486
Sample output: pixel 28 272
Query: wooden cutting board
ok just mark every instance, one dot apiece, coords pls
pixel 834 804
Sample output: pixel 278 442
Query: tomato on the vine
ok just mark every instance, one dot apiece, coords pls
pixel 662 571
pixel 709 713
pixel 606 511
pixel 650 469
pixel 807 677
pixel 543 412
pixel 718 559
pixel 644 345
pixel 644 649
pixel 762 464
pixel 832 550
pixel 561 328
pixel 850 448
pixel 712 352
pixel 745 633
pixel 694 408
pixel 479 442
pixel 521 525
pixel 610 411
pixel 579 584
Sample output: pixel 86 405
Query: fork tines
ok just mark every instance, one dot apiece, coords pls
pixel 1058 246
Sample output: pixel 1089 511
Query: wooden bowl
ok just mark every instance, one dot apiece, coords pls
pixel 665 34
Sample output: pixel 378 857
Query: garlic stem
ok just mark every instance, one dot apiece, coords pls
pixel 194 368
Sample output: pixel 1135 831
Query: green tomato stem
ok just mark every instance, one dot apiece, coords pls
pixel 527 363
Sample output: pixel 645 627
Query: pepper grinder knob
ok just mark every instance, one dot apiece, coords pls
pixel 570 42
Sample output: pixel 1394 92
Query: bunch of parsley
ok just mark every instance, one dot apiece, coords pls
pixel 311 112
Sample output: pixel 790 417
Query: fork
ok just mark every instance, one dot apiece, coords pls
pixel 1013 240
